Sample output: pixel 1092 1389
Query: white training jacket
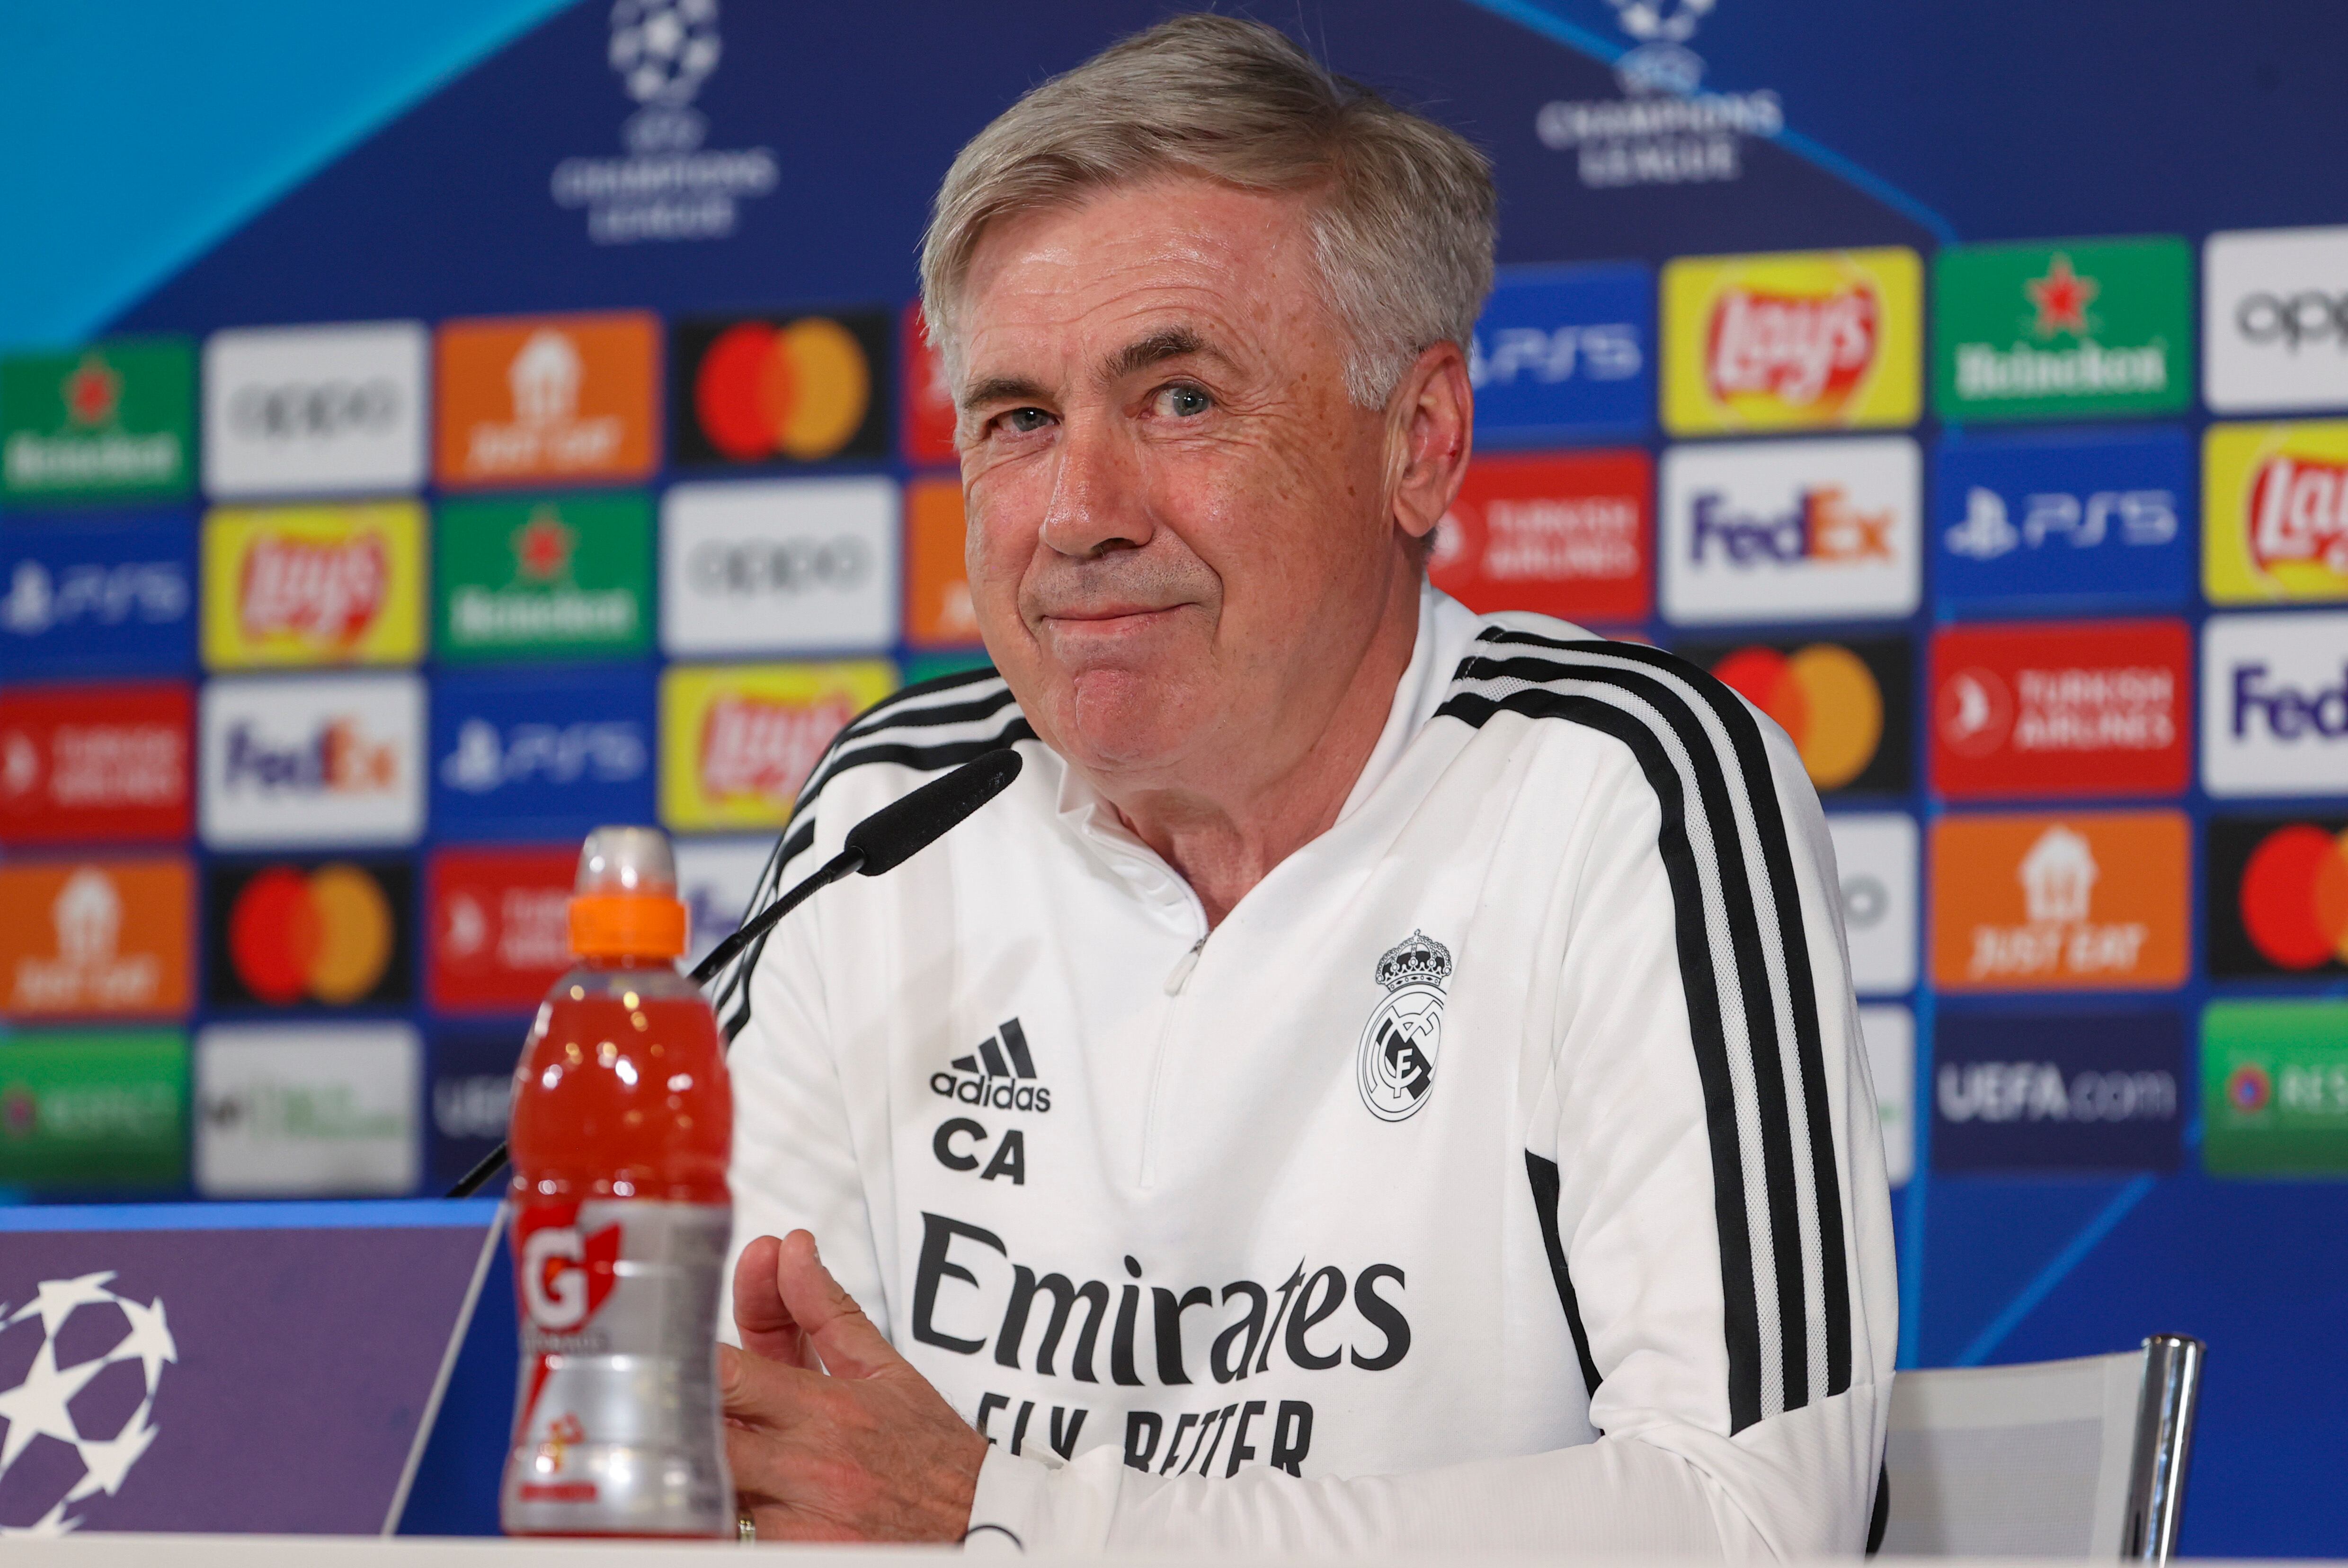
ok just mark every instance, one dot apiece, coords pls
pixel 1503 1171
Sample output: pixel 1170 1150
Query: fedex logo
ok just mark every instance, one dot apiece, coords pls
pixel 1822 525
pixel 341 759
pixel 304 761
pixel 2288 712
pixel 1564 351
pixel 2055 518
pixel 2274 696
pixel 1824 530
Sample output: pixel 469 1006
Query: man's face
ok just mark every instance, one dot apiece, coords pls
pixel 1181 535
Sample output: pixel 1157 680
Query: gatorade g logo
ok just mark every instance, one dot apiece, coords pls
pixel 563 1276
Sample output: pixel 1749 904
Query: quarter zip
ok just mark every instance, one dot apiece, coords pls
pixel 1182 967
pixel 1146 1175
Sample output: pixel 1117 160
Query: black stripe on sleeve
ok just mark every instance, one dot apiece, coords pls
pixel 1752 762
pixel 1659 707
pixel 1740 1303
pixel 1547 1184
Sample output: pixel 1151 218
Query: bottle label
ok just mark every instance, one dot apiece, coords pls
pixel 617 1428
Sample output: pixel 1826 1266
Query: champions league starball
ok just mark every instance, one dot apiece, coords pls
pixel 68 1438
pixel 664 49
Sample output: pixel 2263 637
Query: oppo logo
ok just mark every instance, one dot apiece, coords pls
pixel 314 410
pixel 2310 315
pixel 799 564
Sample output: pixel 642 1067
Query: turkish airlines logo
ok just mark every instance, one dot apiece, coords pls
pixel 1807 352
pixel 2090 708
pixel 323 592
pixel 565 1275
pixel 500 927
pixel 1564 535
pixel 752 745
pixel 96 762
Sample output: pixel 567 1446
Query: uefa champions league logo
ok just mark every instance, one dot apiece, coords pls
pixel 99 1331
pixel 664 50
pixel 669 186
pixel 1671 21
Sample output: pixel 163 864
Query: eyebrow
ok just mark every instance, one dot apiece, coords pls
pixel 1173 343
pixel 1002 389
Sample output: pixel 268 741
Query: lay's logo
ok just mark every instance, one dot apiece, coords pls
pixel 1803 351
pixel 1800 340
pixel 752 746
pixel 326 594
pixel 2301 509
pixel 313 585
pixel 2275 513
pixel 737 741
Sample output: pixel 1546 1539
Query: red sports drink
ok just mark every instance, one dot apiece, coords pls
pixel 623 1120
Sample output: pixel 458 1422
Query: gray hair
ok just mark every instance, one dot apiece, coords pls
pixel 1402 227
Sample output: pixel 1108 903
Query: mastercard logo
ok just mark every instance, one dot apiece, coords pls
pixel 2294 897
pixel 800 391
pixel 326 936
pixel 1823 696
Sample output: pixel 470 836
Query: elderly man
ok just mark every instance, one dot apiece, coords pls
pixel 1382 1076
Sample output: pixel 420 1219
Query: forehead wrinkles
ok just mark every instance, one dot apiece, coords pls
pixel 1085 283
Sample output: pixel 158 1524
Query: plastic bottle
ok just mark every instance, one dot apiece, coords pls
pixel 622 1120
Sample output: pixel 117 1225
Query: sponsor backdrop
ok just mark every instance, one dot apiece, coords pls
pixel 492 483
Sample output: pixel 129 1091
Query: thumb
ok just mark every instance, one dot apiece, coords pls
pixel 850 1346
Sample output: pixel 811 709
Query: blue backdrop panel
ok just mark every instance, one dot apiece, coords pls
pixel 1869 125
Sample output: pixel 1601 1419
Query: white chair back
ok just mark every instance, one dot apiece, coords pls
pixel 2079 1460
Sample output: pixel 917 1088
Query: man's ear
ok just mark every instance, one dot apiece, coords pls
pixel 1432 426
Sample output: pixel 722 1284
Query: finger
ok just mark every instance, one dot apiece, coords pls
pixel 765 1324
pixel 850 1346
pixel 756 1392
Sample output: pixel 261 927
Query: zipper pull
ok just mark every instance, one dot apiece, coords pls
pixel 1189 961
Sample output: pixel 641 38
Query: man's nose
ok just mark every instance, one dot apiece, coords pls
pixel 1096 503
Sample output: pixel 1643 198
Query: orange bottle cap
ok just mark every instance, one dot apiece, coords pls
pixel 626 925
pixel 626 905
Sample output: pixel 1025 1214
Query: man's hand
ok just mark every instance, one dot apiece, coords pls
pixel 833 1436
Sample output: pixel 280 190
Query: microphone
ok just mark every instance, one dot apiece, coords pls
pixel 881 842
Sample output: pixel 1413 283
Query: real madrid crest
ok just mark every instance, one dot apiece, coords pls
pixel 1404 1037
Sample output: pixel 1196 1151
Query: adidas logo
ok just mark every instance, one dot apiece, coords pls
pixel 1000 1074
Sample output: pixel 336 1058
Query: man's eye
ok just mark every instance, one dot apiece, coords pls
pixel 1025 421
pixel 1184 402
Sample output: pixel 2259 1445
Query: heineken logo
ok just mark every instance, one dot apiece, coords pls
pixel 2062 297
pixel 542 547
pixel 2029 332
pixel 545 577
pixel 113 420
pixel 92 392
